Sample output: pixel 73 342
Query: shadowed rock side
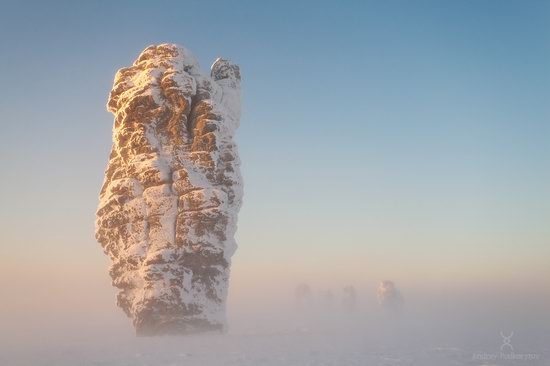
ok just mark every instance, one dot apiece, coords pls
pixel 168 206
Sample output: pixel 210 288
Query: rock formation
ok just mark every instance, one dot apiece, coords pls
pixel 302 295
pixel 168 207
pixel 389 297
pixel 349 300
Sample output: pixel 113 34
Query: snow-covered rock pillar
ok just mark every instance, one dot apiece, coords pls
pixel 168 206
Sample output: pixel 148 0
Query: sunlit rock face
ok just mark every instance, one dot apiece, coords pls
pixel 168 207
pixel 389 297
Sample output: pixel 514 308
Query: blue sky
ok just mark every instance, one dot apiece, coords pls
pixel 379 139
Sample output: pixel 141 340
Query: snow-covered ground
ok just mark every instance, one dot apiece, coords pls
pixel 306 338
pixel 267 325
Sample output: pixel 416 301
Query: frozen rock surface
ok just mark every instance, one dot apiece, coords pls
pixel 168 207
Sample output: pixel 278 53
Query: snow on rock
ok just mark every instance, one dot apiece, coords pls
pixel 168 207
pixel 389 297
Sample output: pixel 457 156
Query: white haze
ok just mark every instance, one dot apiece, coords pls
pixel 438 325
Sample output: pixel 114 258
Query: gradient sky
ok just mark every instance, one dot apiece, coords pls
pixel 379 139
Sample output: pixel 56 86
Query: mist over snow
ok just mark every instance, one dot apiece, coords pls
pixel 269 326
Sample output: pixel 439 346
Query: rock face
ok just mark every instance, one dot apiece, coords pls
pixel 168 207
pixel 389 297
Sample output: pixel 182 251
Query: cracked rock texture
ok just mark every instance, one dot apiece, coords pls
pixel 168 207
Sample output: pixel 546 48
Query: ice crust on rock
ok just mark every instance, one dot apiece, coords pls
pixel 168 207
